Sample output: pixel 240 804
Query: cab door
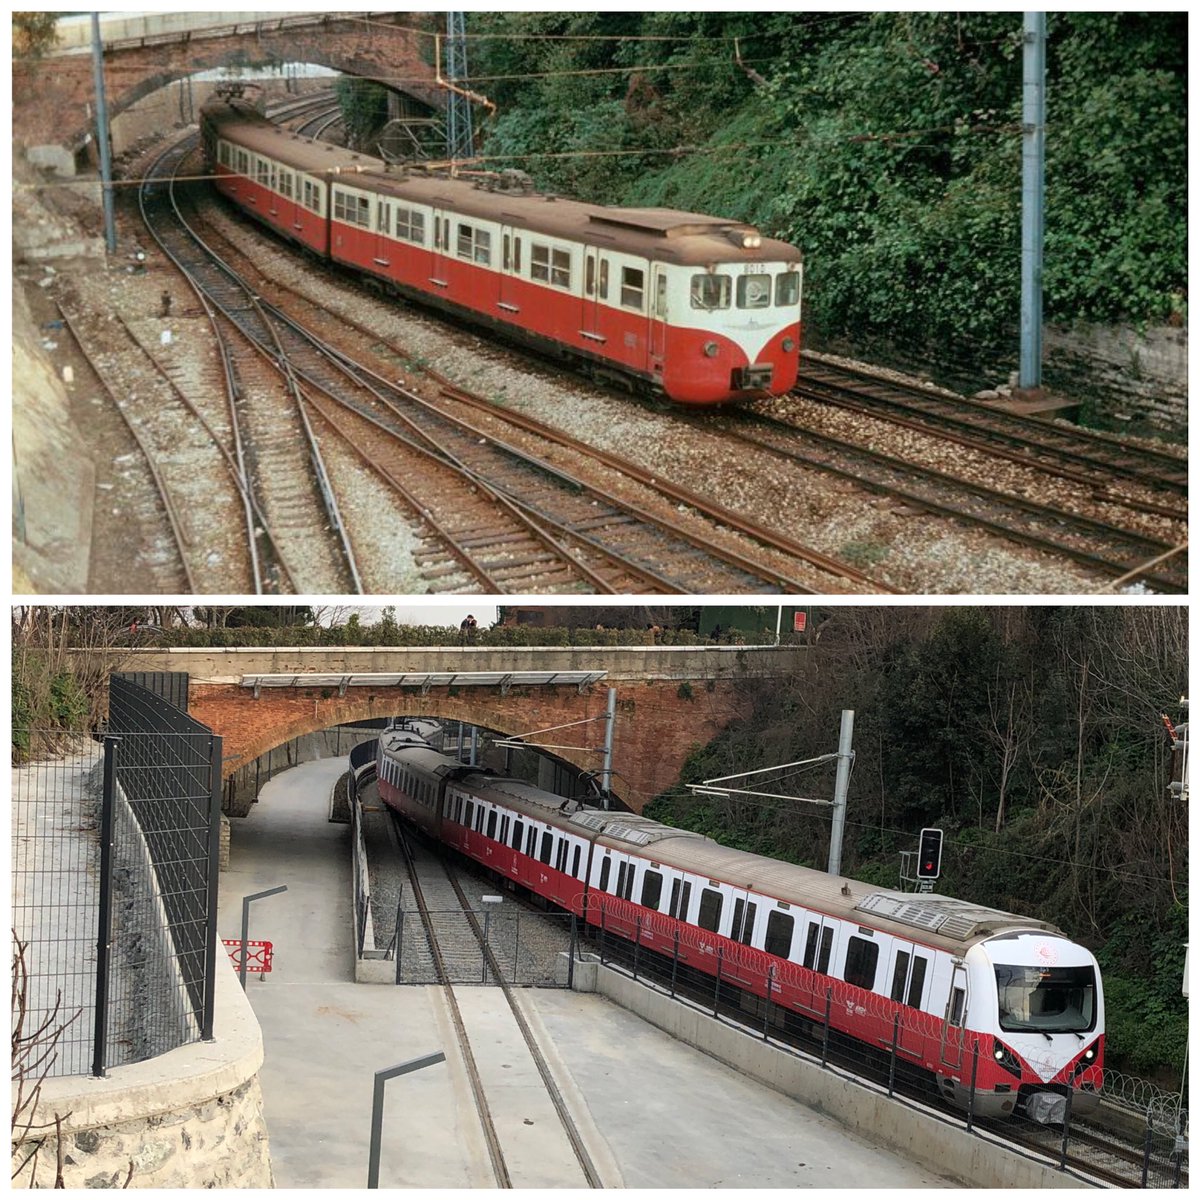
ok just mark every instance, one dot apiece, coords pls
pixel 819 933
pixel 955 1018
pixel 909 968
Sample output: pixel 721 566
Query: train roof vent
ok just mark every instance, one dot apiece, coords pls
pixel 603 823
pixel 946 915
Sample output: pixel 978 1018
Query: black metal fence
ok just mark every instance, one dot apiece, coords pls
pixel 1137 1136
pixel 115 884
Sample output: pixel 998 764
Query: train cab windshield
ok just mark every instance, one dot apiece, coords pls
pixel 1046 999
pixel 766 289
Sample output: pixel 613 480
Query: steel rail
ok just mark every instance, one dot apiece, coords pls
pixel 182 540
pixel 491 1137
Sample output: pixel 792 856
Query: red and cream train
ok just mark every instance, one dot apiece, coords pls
pixel 958 976
pixel 704 310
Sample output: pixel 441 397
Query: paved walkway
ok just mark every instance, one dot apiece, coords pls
pixel 664 1114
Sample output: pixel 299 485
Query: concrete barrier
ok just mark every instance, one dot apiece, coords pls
pixel 975 1160
pixel 190 1118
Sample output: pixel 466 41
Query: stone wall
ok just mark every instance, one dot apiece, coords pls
pixel 191 1118
pixel 1122 374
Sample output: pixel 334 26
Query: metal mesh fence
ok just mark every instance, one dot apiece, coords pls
pixel 114 886
pixel 55 894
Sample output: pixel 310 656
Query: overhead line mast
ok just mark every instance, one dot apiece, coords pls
pixel 460 138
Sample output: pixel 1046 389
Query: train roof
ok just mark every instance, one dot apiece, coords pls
pixel 663 234
pixel 945 922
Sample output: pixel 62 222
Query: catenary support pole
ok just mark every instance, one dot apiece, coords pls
pixel 110 224
pixel 1033 158
pixel 841 786
pixel 610 717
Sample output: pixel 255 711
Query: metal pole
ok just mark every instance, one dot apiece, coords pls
pixel 571 960
pixel 825 1036
pixel 717 987
pixel 767 1005
pixel 246 925
pixel 637 945
pixel 208 1017
pixel 487 920
pixel 1062 1158
pixel 459 755
pixel 971 1097
pixel 675 963
pixel 892 1062
pixel 399 943
pixel 778 622
pixel 110 225
pixel 381 1077
pixel 841 786
pixel 1147 1147
pixel 610 717
pixel 474 744
pixel 1033 158
pixel 104 919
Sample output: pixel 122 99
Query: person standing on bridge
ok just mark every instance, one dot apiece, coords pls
pixel 466 631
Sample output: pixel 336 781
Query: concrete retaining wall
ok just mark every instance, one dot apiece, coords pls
pixel 190 1118
pixel 976 1161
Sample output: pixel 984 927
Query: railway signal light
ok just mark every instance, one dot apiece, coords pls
pixel 929 854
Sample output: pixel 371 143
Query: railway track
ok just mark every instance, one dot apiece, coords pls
pixel 1071 453
pixel 601 542
pixel 1112 550
pixel 453 940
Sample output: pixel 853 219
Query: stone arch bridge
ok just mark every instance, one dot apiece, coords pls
pixel 669 699
pixel 54 97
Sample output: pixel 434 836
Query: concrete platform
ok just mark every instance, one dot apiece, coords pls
pixel 657 1112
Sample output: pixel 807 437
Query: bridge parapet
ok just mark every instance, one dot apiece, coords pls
pixel 207 664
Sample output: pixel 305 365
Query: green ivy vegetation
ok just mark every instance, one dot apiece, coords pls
pixel 886 145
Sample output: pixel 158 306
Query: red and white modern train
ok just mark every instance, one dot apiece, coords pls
pixel 704 310
pixel 957 976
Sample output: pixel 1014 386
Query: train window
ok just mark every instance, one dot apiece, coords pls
pixel 605 868
pixel 507 252
pixel 518 833
pixel 243 163
pixel 575 861
pixel 479 812
pixel 681 899
pixel 223 153
pixel 652 883
pixel 458 809
pixel 916 985
pixel 475 245
pixel 547 847
pixel 312 196
pixel 743 921
pixel 470 813
pixel 589 275
pixel 862 958
pixel 818 948
pixel 560 268
pixel 754 291
pixel 709 916
pixel 516 254
pixel 787 289
pixel 539 263
pixel 560 859
pixel 493 816
pixel 900 975
pixel 262 171
pixel 779 934
pixel 711 291
pixel 383 218
pixel 285 184
pixel 531 841
pixel 604 279
pixel 633 287
pixel 660 298
pixel 622 870
pixel 410 225
pixel 957 1005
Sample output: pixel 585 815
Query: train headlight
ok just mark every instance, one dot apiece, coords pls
pixel 1090 1053
pixel 1007 1060
pixel 788 345
pixel 710 349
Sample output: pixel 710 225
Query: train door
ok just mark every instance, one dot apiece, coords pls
pixel 658 316
pixel 909 968
pixel 956 1016
pixel 510 270
pixel 818 953
pixel 382 241
pixel 590 326
pixel 439 264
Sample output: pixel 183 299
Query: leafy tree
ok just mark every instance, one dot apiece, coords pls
pixel 34 34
